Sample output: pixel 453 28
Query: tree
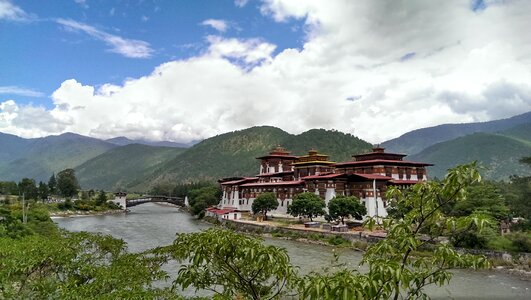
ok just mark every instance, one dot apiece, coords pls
pixel 393 272
pixel 102 198
pixel 52 184
pixel 307 205
pixel 484 197
pixel 67 184
pixel 343 207
pixel 43 191
pixel 233 266
pixel 27 187
pixel 265 202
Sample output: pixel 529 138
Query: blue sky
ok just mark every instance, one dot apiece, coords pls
pixel 38 54
pixel 189 70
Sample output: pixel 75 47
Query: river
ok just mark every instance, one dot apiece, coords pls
pixel 151 225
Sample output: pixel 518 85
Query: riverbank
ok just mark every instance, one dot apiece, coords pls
pixel 518 265
pixel 83 213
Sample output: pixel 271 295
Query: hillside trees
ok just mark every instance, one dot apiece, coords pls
pixel 342 207
pixel 52 184
pixel 264 202
pixel 28 188
pixel 67 184
pixel 307 205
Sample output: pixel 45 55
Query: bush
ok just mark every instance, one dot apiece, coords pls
pixel 337 240
pixel 521 241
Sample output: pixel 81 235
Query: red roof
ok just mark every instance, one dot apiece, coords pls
pixel 396 181
pixel 278 156
pixel 295 182
pixel 372 176
pixel 239 181
pixel 323 176
pixel 222 211
pixel 382 161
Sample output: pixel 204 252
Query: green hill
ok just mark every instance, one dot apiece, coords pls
pixel 120 166
pixel 39 158
pixel 497 152
pixel 234 153
pixel 417 140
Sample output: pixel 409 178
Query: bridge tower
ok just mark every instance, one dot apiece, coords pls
pixel 120 200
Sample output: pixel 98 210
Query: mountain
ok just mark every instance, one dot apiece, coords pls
pixel 417 140
pixel 12 147
pixel 39 158
pixel 498 153
pixel 122 141
pixel 120 166
pixel 234 153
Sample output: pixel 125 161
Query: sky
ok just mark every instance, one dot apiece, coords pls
pixel 187 70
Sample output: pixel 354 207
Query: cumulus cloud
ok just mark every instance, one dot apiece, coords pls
pixel 219 25
pixel 376 69
pixel 126 47
pixel 20 91
pixel 11 12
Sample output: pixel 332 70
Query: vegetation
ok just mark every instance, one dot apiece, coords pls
pixel 263 203
pixel 417 140
pixel 498 153
pixel 342 207
pixel 120 167
pixel 307 205
pixel 67 185
pixel 231 265
pixel 40 157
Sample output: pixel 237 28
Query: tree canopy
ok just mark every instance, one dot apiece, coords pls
pixel 67 183
pixel 307 205
pixel 232 265
pixel 342 207
pixel 264 202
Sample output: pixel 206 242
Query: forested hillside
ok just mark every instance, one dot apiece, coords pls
pixel 119 167
pixel 417 140
pixel 234 153
pixel 498 153
pixel 39 158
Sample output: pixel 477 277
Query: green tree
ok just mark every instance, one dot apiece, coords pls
pixel 202 196
pixel 88 266
pixel 8 188
pixel 393 272
pixel 102 198
pixel 482 197
pixel 43 191
pixel 264 202
pixel 307 205
pixel 27 187
pixel 233 266
pixel 67 184
pixel 52 184
pixel 342 207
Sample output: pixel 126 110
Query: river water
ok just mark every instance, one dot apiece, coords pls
pixel 151 225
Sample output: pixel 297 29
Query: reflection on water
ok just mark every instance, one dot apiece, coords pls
pixel 151 225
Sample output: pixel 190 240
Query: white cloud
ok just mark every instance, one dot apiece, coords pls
pixel 11 12
pixel 240 3
pixel 82 3
pixel 249 50
pixel 15 90
pixel 219 25
pixel 461 66
pixel 126 47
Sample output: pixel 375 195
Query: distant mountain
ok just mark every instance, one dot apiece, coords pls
pixel 12 147
pixel 39 158
pixel 122 141
pixel 497 152
pixel 119 167
pixel 417 140
pixel 234 153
